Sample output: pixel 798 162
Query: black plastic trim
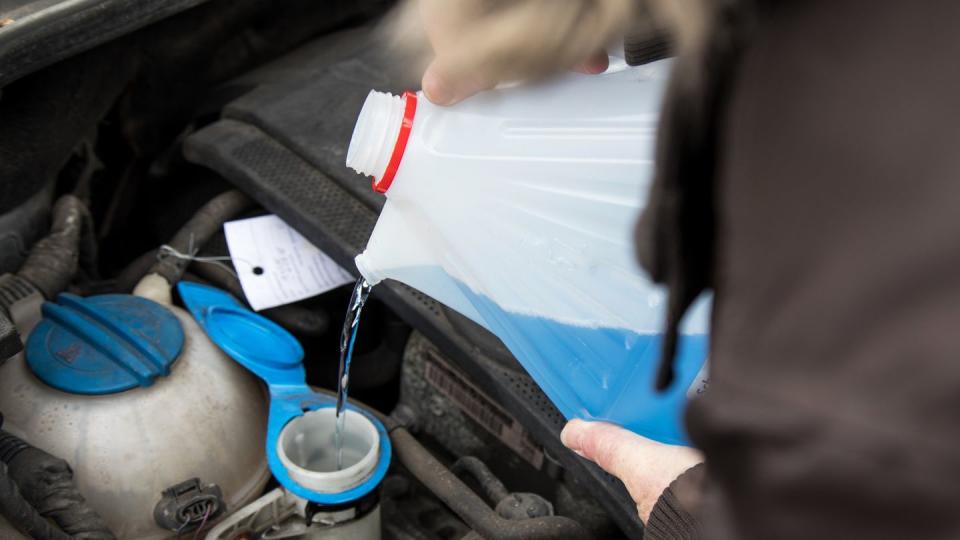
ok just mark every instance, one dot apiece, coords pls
pixel 44 36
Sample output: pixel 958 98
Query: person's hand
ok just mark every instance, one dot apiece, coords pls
pixel 476 44
pixel 644 466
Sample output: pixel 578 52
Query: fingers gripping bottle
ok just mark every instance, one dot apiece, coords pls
pixel 516 208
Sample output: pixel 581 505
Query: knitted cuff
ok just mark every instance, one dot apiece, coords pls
pixel 670 519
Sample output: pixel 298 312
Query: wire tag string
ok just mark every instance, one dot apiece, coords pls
pixel 170 251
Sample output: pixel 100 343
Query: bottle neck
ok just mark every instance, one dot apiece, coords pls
pixel 375 134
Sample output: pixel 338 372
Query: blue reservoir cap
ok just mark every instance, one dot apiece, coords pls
pixel 103 344
pixel 274 355
pixel 259 344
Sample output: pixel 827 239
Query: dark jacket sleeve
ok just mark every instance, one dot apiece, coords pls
pixel 673 516
pixel 834 379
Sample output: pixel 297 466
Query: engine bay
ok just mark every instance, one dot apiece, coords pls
pixel 124 148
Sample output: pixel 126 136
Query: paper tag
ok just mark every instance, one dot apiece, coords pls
pixel 277 265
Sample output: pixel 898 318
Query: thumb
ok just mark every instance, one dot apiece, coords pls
pixel 646 467
pixel 444 87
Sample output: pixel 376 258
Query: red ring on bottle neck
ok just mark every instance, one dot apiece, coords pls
pixel 409 111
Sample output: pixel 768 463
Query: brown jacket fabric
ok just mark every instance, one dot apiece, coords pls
pixel 830 193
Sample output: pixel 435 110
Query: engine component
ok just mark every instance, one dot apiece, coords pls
pixel 300 431
pixel 296 318
pixel 469 506
pixel 21 301
pixel 170 267
pixel 523 506
pixel 21 226
pixel 49 268
pixel 464 419
pixel 191 237
pixel 267 517
pixel 53 261
pixel 446 407
pixel 359 520
pixel 508 505
pixel 38 486
pixel 188 506
pixel 28 521
pixel 280 514
pixel 206 418
pixel 9 339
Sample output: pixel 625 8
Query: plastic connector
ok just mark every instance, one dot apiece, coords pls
pixel 185 506
pixel 20 305
pixel 10 342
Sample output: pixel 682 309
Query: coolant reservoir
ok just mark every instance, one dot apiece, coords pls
pixel 516 208
pixel 137 399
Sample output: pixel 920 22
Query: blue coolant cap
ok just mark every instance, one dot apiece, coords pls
pixel 103 344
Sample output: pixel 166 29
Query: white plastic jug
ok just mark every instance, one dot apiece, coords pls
pixel 516 208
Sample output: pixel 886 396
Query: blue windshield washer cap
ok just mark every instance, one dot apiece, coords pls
pixel 103 344
pixel 257 343
pixel 274 355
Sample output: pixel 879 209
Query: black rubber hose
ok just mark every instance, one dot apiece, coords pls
pixel 469 506
pixel 461 499
pixel 297 319
pixel 53 260
pixel 492 487
pixel 195 233
pixel 22 515
pixel 220 277
pixel 190 238
pixel 46 484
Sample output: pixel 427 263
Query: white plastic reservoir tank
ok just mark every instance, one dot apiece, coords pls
pixel 130 437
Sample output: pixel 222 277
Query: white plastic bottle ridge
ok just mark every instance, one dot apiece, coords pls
pixel 516 208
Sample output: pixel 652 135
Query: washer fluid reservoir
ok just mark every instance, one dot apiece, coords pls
pixel 343 503
pixel 137 399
